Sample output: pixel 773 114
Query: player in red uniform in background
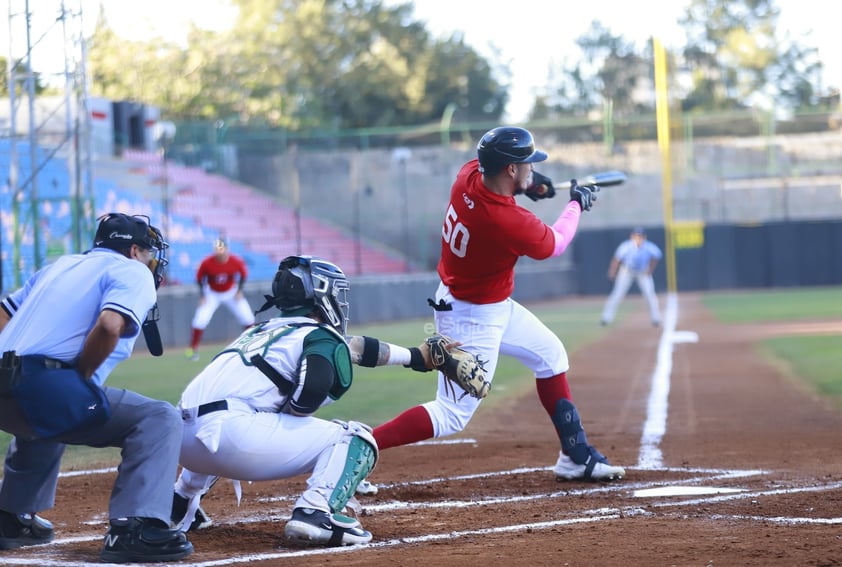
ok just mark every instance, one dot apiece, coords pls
pixel 484 233
pixel 221 277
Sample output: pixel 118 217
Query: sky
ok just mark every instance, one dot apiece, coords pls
pixel 532 34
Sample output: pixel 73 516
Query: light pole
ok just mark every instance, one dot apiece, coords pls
pixel 401 156
pixel 358 225
pixel 164 132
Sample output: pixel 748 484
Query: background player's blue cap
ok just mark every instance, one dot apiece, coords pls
pixel 639 230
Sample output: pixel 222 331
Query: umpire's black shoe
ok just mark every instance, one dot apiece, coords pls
pixel 200 520
pixel 143 540
pixel 19 530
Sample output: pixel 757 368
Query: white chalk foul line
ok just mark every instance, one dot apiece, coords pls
pixel 51 562
pixel 656 409
pixel 462 441
pixel 655 427
pixel 586 516
pixel 582 516
pixel 68 474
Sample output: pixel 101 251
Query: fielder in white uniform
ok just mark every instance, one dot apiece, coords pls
pixel 249 414
pixel 633 261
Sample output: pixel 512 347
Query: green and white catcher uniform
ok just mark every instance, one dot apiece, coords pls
pixel 250 420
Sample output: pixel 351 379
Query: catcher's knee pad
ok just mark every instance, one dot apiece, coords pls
pixel 359 462
pixel 574 442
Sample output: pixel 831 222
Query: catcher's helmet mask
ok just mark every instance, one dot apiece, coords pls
pixel 304 284
pixel 119 232
pixel 504 145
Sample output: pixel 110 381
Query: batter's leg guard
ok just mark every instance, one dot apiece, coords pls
pixel 360 461
pixel 574 442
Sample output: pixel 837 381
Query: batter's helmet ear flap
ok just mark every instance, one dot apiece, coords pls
pixel 504 145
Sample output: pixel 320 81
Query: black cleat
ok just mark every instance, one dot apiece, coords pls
pixel 20 530
pixel 315 527
pixel 143 540
pixel 200 520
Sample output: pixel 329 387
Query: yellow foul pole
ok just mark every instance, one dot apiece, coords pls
pixel 663 124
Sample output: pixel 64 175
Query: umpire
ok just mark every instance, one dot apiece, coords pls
pixel 72 323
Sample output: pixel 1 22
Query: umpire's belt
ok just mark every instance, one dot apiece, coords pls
pixel 43 361
pixel 46 362
pixel 54 364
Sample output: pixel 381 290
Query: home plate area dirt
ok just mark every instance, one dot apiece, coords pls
pixel 747 471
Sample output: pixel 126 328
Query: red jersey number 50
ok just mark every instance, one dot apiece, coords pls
pixel 455 233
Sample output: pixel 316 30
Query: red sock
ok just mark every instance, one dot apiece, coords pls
pixel 551 390
pixel 411 426
pixel 196 338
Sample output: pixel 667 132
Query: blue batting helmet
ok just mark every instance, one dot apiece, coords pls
pixel 504 145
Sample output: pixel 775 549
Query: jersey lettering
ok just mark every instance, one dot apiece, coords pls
pixel 257 341
pixel 455 233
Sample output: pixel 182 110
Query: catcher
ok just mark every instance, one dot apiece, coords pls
pixel 249 414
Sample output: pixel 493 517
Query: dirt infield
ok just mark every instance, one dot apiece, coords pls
pixel 758 462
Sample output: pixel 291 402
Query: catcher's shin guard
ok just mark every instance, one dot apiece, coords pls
pixel 574 442
pixel 360 460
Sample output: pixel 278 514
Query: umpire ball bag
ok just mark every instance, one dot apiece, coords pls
pixel 56 399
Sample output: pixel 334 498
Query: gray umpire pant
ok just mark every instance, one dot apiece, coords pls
pixel 147 431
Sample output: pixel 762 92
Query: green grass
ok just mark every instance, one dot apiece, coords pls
pixel 813 360
pixel 777 305
pixel 378 394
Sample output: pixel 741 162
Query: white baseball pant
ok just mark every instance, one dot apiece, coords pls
pixel 243 444
pixel 238 306
pixel 622 283
pixel 488 331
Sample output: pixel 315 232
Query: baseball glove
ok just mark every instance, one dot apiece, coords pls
pixel 457 365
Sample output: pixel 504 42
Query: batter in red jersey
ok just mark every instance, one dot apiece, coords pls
pixel 221 277
pixel 484 233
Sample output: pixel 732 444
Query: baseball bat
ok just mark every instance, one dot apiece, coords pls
pixel 602 179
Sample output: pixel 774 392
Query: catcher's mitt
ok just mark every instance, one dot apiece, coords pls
pixel 458 365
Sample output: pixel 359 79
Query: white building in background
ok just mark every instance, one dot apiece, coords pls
pixel 113 125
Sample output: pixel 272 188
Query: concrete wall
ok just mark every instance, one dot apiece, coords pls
pixel 400 202
pixel 771 255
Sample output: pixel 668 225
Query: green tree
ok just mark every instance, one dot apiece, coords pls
pixel 736 58
pixel 610 70
pixel 302 64
pixel 20 70
pixel 130 70
pixel 4 76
